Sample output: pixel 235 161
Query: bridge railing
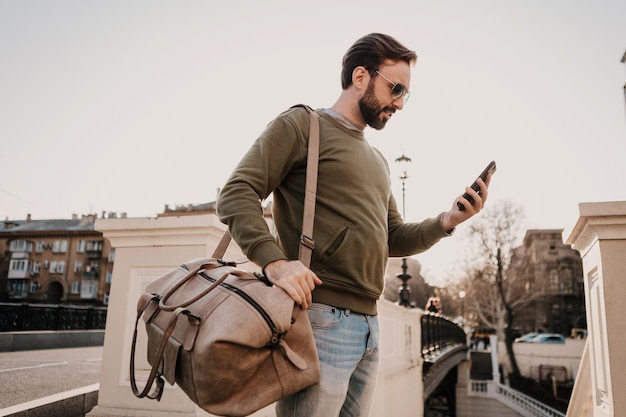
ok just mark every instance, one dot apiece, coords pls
pixel 439 333
pixel 25 316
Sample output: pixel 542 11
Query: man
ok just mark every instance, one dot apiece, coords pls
pixel 434 305
pixel 357 222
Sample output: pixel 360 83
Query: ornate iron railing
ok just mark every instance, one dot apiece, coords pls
pixel 439 333
pixel 17 317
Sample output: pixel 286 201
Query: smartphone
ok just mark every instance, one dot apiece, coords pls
pixel 491 168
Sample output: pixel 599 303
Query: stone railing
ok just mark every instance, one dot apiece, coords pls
pixel 515 400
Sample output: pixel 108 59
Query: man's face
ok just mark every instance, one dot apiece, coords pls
pixel 377 104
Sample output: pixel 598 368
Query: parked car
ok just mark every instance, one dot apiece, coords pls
pixel 528 337
pixel 548 338
pixel 541 338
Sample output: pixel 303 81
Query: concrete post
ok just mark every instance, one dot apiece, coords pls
pixel 600 237
pixel 495 368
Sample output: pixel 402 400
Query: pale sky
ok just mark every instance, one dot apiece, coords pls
pixel 125 106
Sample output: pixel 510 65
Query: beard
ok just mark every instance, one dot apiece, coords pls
pixel 371 110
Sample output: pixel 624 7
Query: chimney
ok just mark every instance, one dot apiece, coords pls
pixel 87 219
pixel 28 218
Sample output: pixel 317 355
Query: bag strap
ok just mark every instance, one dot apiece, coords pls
pixel 307 244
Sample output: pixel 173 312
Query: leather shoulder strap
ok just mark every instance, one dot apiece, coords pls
pixel 307 244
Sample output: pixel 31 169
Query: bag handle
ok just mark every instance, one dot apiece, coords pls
pixel 158 357
pixel 170 291
pixel 307 244
pixel 205 266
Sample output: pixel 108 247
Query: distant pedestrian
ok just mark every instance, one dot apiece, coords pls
pixel 433 305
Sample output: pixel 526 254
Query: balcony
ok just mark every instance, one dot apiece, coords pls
pixel 93 253
pixel 18 274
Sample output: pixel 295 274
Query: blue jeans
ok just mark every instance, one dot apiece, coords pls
pixel 347 345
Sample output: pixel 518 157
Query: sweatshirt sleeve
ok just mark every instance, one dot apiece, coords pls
pixel 406 239
pixel 259 172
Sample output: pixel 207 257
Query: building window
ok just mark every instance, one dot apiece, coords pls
pixel 18 287
pixel 36 267
pixel 94 245
pixel 567 282
pixel 40 246
pixel 18 265
pixel 93 288
pixel 109 277
pixel 112 256
pixel 75 287
pixel 78 266
pixel 553 280
pixel 21 246
pixel 59 246
pixel 53 267
pixel 80 248
pixel 61 267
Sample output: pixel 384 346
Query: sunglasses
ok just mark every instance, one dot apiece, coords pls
pixel 397 89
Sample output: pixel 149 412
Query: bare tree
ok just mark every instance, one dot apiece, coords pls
pixel 493 294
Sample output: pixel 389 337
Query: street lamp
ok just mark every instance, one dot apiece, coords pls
pixel 462 297
pixel 404 292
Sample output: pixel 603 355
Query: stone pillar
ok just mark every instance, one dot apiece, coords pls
pixel 600 237
pixel 495 367
pixel 145 249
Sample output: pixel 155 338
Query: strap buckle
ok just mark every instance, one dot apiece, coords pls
pixel 307 241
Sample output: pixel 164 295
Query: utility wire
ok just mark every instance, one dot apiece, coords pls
pixel 23 200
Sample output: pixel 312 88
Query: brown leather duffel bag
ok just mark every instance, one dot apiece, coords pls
pixel 233 343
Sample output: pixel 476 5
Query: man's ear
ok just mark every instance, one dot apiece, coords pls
pixel 360 78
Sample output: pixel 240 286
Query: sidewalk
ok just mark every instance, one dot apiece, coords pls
pixel 50 383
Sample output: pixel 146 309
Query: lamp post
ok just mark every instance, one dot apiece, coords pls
pixel 404 292
pixel 462 297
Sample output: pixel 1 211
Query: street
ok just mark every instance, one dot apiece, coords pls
pixel 29 375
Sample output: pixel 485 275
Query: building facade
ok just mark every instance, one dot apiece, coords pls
pixel 552 275
pixel 57 261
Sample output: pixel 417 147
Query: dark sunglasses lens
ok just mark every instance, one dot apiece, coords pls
pixel 398 91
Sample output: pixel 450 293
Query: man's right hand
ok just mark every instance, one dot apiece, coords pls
pixel 295 278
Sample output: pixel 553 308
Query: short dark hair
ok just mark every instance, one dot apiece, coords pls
pixel 371 51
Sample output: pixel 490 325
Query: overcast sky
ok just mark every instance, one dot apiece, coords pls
pixel 125 106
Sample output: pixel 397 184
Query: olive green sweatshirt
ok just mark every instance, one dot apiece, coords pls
pixel 357 222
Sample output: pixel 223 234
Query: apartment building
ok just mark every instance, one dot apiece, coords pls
pixel 55 261
pixel 552 274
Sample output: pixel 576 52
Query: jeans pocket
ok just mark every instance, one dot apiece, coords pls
pixel 323 316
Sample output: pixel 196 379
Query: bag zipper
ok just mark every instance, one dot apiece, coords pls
pixel 276 337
